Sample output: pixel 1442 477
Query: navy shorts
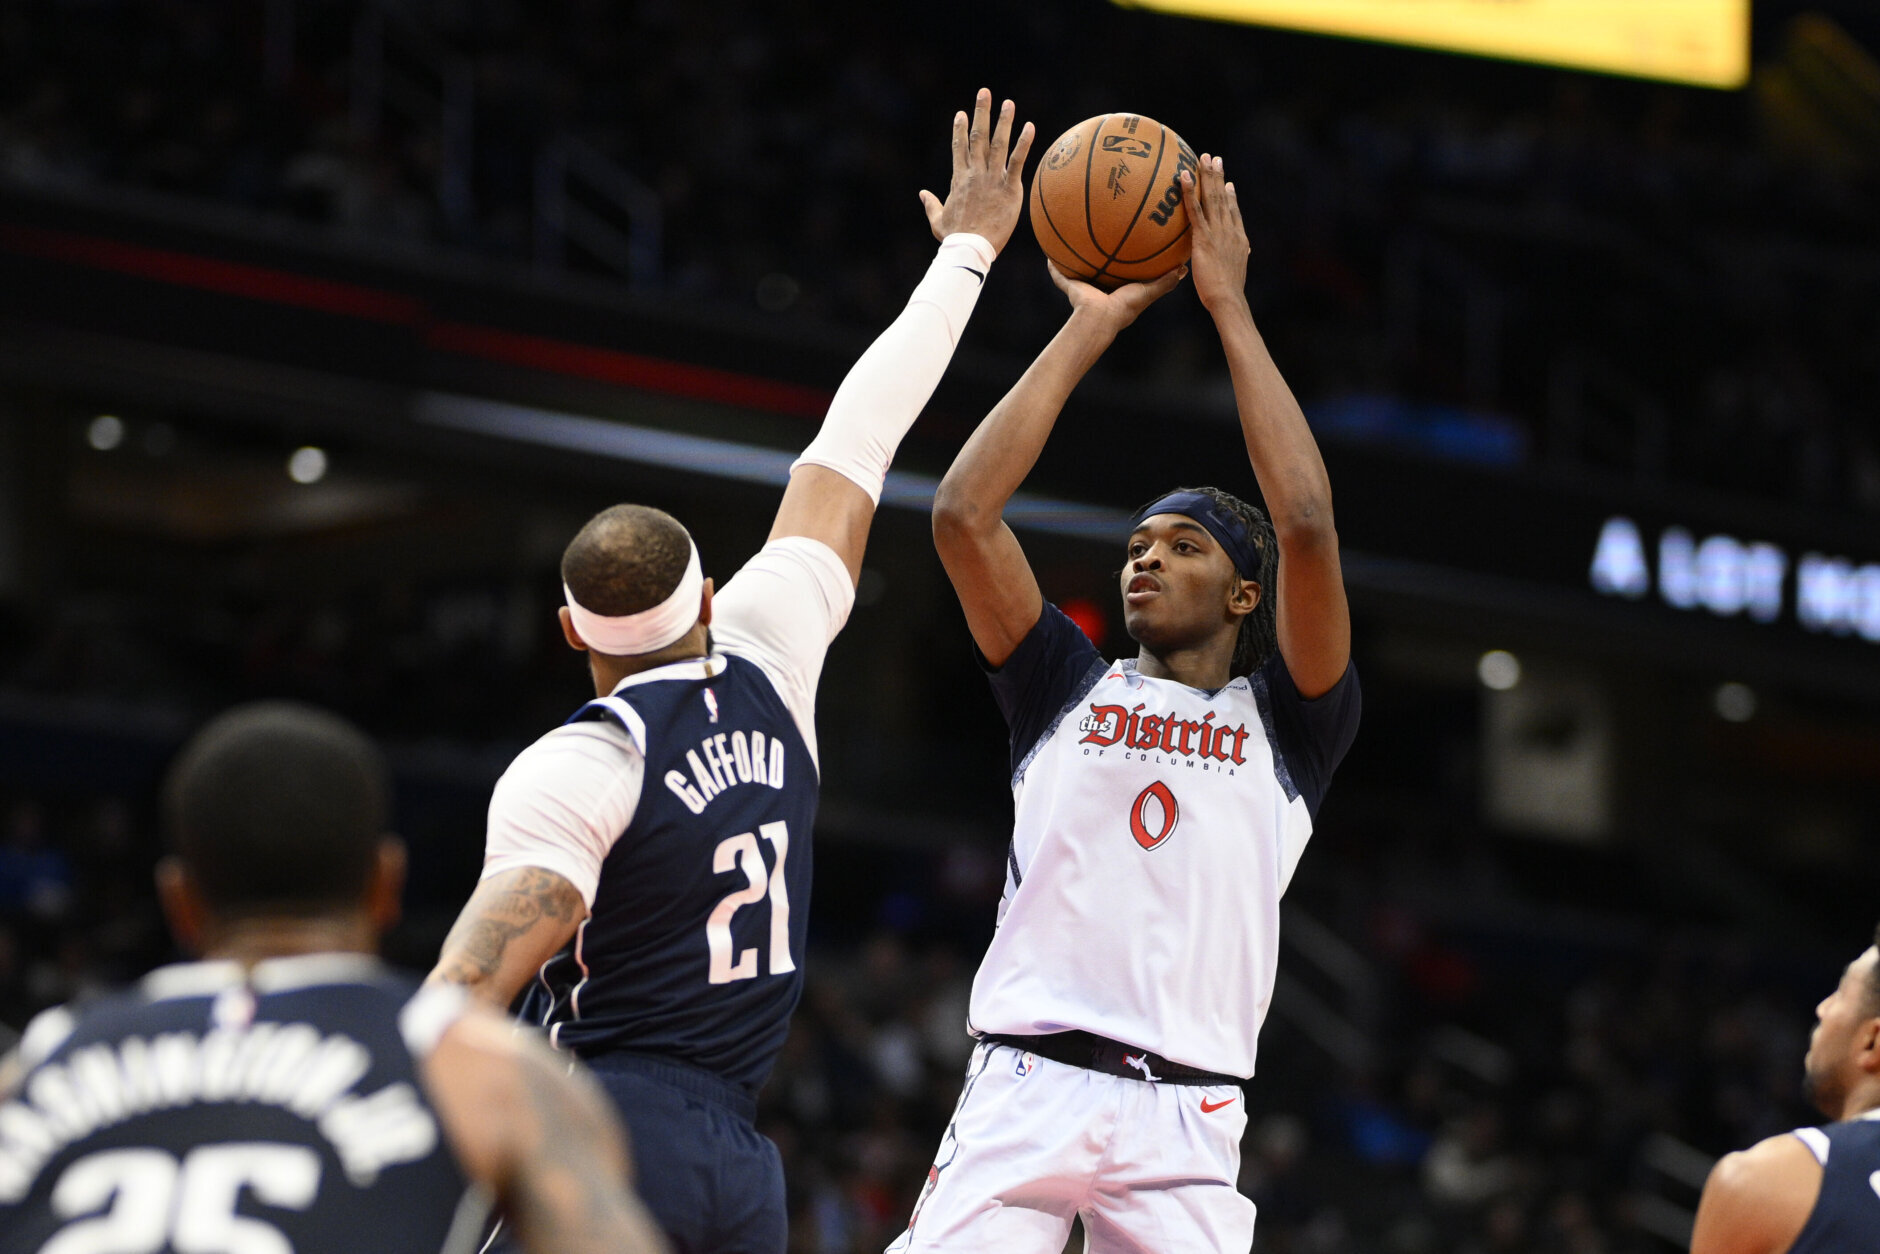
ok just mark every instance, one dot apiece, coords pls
pixel 711 1179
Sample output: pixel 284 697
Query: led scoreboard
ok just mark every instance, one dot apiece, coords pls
pixel 1645 569
pixel 1704 42
pixel 1727 577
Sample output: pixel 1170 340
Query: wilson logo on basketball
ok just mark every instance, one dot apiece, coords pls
pixel 1172 194
pixel 1152 819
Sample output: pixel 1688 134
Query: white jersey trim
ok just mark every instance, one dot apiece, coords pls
pixel 270 975
pixel 48 1030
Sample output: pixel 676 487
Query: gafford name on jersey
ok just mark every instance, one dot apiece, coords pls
pixel 723 761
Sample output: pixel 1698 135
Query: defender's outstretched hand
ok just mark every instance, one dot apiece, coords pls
pixel 1119 308
pixel 1219 260
pixel 988 187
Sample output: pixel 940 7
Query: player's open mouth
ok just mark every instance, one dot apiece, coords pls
pixel 1141 589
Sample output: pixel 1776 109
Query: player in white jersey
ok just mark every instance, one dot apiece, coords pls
pixel 1161 805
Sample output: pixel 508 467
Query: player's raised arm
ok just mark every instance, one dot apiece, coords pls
pixel 542 1137
pixel 981 555
pixel 1313 619
pixel 836 484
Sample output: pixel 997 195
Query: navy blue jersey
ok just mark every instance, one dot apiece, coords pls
pixel 1846 1217
pixel 212 1109
pixel 692 948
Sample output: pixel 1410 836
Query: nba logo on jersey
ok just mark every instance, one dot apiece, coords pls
pixel 1024 1065
pixel 711 703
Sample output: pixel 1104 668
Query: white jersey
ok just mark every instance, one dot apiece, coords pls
pixel 1156 826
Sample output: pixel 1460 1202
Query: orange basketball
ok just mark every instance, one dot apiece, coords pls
pixel 1106 200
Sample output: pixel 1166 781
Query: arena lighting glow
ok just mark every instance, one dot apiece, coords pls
pixel 105 432
pixel 731 459
pixel 1731 577
pixel 1702 42
pixel 1734 702
pixel 307 465
pixel 1498 669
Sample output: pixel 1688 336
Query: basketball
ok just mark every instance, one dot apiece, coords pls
pixel 1106 200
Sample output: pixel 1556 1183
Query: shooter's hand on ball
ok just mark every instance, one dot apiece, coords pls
pixel 1112 311
pixel 988 187
pixel 1219 260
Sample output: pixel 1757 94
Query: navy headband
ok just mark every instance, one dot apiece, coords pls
pixel 1228 529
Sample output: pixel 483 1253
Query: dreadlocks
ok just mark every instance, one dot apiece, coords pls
pixel 1259 631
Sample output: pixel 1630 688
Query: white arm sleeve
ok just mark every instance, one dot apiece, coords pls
pixel 781 611
pixel 888 386
pixel 563 803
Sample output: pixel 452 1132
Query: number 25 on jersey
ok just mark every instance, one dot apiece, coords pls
pixel 149 1201
pixel 740 852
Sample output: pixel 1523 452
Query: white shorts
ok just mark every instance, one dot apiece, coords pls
pixel 1033 1143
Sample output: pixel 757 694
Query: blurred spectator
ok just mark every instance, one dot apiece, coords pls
pixel 35 879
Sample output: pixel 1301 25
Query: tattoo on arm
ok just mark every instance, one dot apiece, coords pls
pixel 502 910
pixel 571 1193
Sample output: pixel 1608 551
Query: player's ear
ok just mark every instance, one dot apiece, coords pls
pixel 1242 596
pixel 569 634
pixel 385 892
pixel 183 907
pixel 1866 1043
pixel 705 603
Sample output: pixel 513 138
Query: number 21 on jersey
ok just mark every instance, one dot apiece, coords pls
pixel 740 852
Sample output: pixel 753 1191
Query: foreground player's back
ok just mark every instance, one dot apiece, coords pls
pixel 290 1095
pixel 210 1109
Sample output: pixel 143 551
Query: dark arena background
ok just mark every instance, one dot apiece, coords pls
pixel 324 324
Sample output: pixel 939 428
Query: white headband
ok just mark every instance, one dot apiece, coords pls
pixel 649 629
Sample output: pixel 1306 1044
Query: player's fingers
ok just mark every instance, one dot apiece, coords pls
pixel 1230 201
pixel 1058 277
pixel 959 139
pixel 982 117
pixel 1163 286
pixel 1191 199
pixel 930 203
pixel 1001 135
pixel 1015 164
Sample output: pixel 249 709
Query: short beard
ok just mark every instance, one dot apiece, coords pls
pixel 1816 1090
